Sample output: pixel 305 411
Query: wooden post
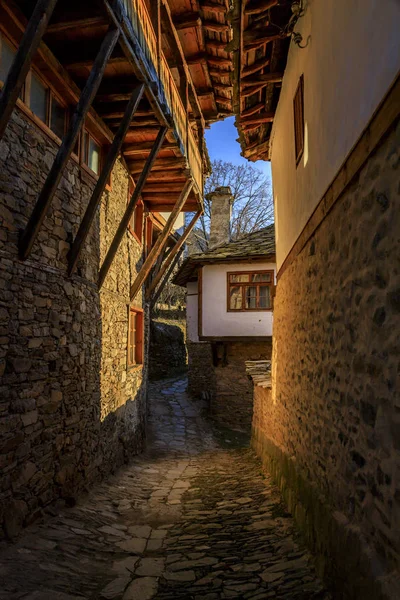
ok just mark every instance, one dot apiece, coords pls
pixel 115 148
pixel 161 241
pixel 179 244
pixel 166 278
pixel 131 206
pixel 53 178
pixel 19 70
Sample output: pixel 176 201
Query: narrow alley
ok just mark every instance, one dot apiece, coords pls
pixel 192 518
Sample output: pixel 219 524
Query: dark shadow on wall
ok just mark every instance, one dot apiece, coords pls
pixel 70 412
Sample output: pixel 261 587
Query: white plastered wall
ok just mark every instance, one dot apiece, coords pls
pixel 216 320
pixel 352 57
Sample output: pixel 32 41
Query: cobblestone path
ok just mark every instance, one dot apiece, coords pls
pixel 191 518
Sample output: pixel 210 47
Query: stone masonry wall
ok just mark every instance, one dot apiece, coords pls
pixel 230 391
pixel 167 351
pixel 70 412
pixel 330 429
pixel 232 404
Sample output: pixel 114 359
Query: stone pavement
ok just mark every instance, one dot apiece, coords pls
pixel 192 518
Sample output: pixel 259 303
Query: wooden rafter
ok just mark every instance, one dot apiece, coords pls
pixel 256 7
pixel 115 148
pixel 264 78
pixel 75 24
pixel 53 178
pixel 161 241
pixel 176 248
pixel 131 207
pixel 19 69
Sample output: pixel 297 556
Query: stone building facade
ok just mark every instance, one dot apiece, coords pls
pixel 330 429
pixel 70 409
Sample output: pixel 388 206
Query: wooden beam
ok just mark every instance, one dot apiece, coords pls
pixel 252 110
pixel 219 61
pixel 22 61
pixel 246 92
pixel 256 66
pixel 166 278
pixel 75 25
pixel 216 27
pixel 161 164
pixel 53 178
pixel 191 206
pixel 131 207
pixel 216 44
pixel 257 149
pixel 264 78
pixel 115 148
pixel 214 8
pixel 173 253
pixel 265 117
pixel 141 147
pixel 187 21
pixel 161 241
pixel 258 6
pixel 254 44
pixel 88 63
pixel 223 100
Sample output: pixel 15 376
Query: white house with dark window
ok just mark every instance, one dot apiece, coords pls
pixel 230 291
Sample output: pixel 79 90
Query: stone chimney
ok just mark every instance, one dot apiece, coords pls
pixel 221 209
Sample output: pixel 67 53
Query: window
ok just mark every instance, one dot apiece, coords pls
pixel 38 99
pixel 135 337
pixel 7 54
pixel 250 290
pixel 298 110
pixel 136 222
pixel 46 107
pixel 91 153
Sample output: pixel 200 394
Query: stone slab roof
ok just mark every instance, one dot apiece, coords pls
pixel 260 372
pixel 257 245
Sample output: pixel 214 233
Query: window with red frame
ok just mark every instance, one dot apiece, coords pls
pixel 136 222
pixel 135 337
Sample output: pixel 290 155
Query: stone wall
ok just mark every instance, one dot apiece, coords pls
pixel 201 375
pixel 218 368
pixel 70 412
pixel 167 352
pixel 330 430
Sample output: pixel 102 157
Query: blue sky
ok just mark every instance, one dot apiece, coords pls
pixel 221 143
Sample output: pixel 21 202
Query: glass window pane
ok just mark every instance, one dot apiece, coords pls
pixel 265 297
pixel 58 114
pixel 261 277
pixel 239 277
pixel 251 297
pixel 38 102
pixel 6 59
pixel 235 298
pixel 94 156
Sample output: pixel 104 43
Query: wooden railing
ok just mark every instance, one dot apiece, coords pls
pixel 143 29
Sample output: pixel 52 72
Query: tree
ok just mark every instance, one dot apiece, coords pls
pixel 252 207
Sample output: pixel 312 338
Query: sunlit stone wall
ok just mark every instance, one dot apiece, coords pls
pixel 330 429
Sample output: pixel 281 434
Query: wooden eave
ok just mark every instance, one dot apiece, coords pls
pixel 261 45
pixel 65 58
pixel 205 34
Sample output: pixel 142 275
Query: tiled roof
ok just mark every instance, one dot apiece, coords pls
pixel 259 244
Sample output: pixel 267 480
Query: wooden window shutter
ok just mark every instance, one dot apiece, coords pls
pixel 298 112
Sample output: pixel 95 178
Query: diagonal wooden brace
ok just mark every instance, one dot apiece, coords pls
pixel 53 178
pixel 19 70
pixel 115 149
pixel 167 275
pixel 172 254
pixel 131 206
pixel 161 241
